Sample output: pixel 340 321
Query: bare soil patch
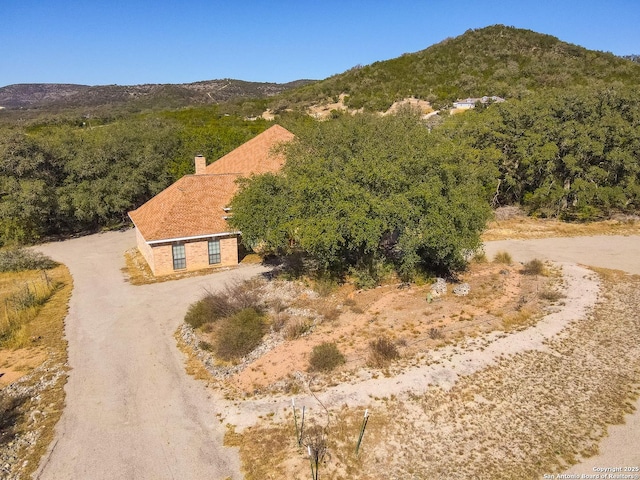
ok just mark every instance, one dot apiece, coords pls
pixel 411 317
pixel 516 226
pixel 531 413
pixel 325 110
pixel 14 364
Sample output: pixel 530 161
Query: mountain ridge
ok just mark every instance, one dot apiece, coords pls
pixel 497 60
pixel 40 95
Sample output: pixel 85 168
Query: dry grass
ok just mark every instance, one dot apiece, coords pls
pixel 137 271
pixel 279 456
pixel 21 302
pixel 251 259
pixel 503 257
pixel 522 227
pixel 519 319
pixel 382 351
pixel 192 363
pixel 45 333
pixel 297 328
pixel 533 413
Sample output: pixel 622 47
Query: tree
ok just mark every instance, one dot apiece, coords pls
pixel 573 153
pixel 359 192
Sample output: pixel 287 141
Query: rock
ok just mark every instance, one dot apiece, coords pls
pixel 440 287
pixel 462 289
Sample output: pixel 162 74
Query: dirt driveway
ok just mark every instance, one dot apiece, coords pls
pixel 131 410
pixel 621 448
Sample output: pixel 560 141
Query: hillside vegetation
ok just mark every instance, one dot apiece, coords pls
pixel 565 144
pixel 571 154
pixel 496 60
pixel 366 193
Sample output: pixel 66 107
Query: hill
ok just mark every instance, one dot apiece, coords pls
pixel 60 96
pixel 496 60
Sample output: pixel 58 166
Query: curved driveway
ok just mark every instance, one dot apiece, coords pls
pixel 621 448
pixel 133 413
pixel 131 410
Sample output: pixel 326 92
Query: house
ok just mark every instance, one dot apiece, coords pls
pixel 468 103
pixel 184 227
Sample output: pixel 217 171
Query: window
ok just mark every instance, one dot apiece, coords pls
pixel 179 257
pixel 214 251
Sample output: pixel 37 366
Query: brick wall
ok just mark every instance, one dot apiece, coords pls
pixel 197 253
pixel 145 249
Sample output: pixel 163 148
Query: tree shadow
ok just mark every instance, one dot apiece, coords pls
pixel 10 413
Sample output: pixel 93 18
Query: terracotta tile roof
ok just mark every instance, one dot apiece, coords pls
pixel 194 205
pixel 256 156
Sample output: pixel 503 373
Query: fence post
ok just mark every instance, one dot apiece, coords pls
pixel 364 425
pixel 301 427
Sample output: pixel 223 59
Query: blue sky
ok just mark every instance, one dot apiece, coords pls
pixel 125 42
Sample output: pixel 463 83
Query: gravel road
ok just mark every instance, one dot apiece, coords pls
pixel 131 410
pixel 621 448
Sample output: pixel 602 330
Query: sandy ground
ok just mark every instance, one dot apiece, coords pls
pixel 443 367
pixel 131 410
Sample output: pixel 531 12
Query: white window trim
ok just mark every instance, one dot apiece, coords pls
pixel 195 237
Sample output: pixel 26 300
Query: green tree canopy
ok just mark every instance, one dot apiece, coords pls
pixel 68 176
pixel 573 153
pixel 360 191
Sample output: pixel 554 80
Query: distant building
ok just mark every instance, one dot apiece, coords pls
pixel 468 103
pixel 184 227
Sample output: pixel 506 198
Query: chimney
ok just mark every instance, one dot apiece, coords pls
pixel 201 165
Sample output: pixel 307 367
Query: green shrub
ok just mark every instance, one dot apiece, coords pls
pixel 369 275
pixel 199 314
pixel 381 352
pixel 224 304
pixel 325 357
pixel 503 257
pixel 533 267
pixel 240 334
pixel 220 305
pixel 18 259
